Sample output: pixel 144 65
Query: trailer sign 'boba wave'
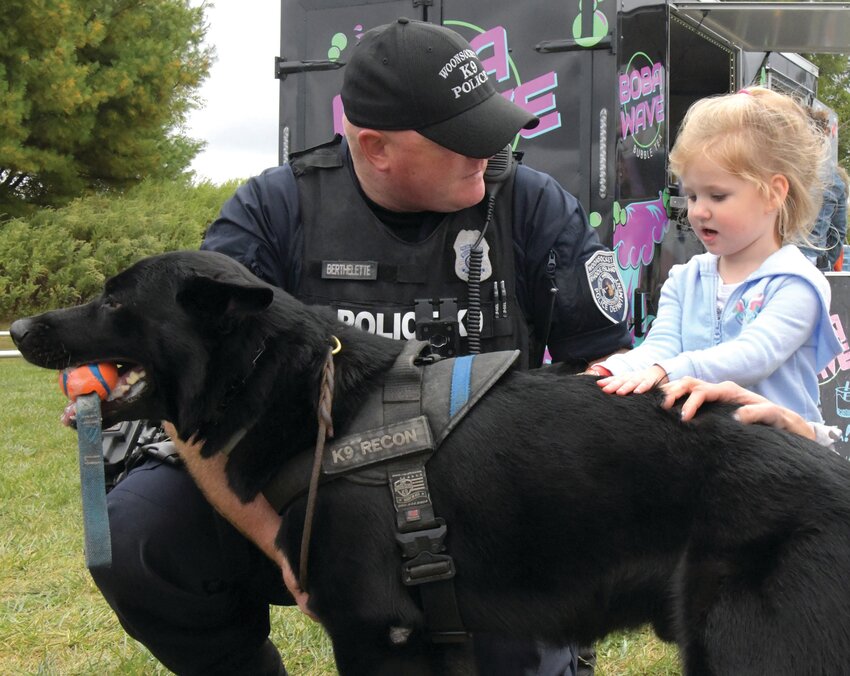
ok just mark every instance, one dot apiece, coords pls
pixel 641 92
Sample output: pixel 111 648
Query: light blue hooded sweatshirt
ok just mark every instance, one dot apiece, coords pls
pixel 774 335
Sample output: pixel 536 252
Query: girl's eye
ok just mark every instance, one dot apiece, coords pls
pixel 692 198
pixel 718 198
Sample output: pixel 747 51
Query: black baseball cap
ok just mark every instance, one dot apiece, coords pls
pixel 420 76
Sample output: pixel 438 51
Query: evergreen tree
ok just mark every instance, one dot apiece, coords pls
pixel 94 95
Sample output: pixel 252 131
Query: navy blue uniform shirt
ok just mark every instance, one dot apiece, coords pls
pixel 260 226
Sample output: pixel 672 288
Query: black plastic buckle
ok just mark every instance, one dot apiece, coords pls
pixel 416 542
pixel 427 567
pixel 437 324
pixel 427 359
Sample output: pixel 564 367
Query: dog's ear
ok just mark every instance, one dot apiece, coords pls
pixel 223 302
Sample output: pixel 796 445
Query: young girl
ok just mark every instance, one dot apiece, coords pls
pixel 752 310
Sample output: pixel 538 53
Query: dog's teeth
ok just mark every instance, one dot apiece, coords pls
pixel 118 391
pixel 138 387
pixel 130 385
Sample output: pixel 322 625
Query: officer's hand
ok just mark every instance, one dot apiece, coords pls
pixel 637 381
pixel 301 597
pixel 257 520
pixel 699 392
pixel 754 408
pixel 185 449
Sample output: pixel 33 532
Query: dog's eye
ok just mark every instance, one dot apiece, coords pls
pixel 111 303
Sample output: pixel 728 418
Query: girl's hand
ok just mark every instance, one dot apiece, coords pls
pixel 637 381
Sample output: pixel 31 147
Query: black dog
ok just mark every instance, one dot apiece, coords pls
pixel 570 512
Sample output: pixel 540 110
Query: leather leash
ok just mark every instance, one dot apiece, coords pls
pixel 326 431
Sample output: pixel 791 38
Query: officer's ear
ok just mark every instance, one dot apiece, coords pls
pixel 374 148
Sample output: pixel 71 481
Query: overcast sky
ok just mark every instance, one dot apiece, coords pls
pixel 239 119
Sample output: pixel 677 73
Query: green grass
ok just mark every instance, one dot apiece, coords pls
pixel 5 342
pixel 53 620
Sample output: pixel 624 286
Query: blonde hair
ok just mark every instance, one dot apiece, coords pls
pixel 754 135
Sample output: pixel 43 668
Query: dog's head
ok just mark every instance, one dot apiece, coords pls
pixel 161 321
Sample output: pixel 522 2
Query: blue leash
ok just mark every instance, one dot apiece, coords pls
pixel 93 483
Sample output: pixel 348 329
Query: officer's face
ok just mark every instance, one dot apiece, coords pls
pixel 425 176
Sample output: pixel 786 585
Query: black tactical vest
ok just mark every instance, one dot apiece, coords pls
pixel 355 264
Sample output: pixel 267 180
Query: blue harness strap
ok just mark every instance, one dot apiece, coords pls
pixel 461 373
pixel 93 483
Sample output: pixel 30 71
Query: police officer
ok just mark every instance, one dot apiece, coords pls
pixel 377 225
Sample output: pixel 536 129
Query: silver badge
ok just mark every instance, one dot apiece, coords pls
pixel 463 243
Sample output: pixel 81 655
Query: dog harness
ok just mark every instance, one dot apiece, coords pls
pixel 388 443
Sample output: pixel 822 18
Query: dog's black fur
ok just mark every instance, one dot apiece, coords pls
pixel 570 512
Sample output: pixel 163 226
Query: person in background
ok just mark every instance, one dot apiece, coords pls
pixel 826 249
pixel 752 309
pixel 404 192
pixel 845 178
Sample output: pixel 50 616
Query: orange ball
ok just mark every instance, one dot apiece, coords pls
pixel 89 378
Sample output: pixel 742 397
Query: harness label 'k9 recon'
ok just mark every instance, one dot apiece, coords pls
pixel 359 270
pixel 376 445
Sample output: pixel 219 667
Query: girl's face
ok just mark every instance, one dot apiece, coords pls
pixel 732 218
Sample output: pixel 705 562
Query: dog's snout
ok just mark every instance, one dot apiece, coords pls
pixel 36 339
pixel 19 330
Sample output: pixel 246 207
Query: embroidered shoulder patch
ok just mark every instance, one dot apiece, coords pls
pixel 606 286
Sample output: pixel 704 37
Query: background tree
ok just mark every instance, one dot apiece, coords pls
pixel 94 95
pixel 834 91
